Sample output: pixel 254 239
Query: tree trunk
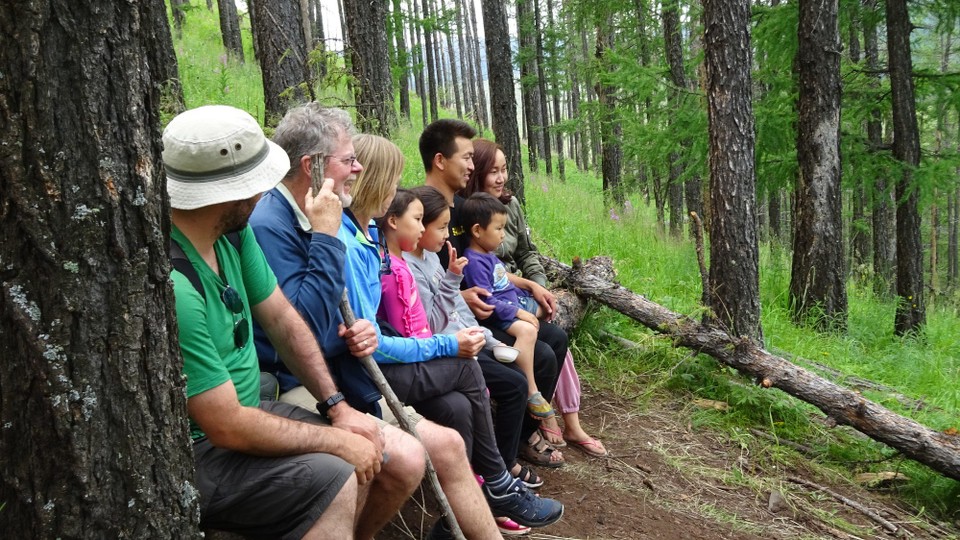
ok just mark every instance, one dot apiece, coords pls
pixel 673 52
pixel 859 231
pixel 952 219
pixel 416 30
pixel 466 66
pixel 611 132
pixel 230 29
pixel 366 26
pixel 282 55
pixel 403 59
pixel 911 311
pixel 92 404
pixel 734 254
pixel 478 66
pixel 542 88
pixel 937 450
pixel 455 77
pixel 529 91
pixel 502 99
pixel 818 276
pixel 431 61
pixel 882 219
pixel 177 7
pixel 555 90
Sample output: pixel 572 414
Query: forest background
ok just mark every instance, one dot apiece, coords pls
pixel 602 107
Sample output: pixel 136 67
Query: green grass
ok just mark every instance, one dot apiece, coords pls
pixel 569 219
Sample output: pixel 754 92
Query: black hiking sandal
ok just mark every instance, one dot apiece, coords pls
pixel 529 477
pixel 524 506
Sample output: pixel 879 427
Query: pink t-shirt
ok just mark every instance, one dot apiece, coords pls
pixel 400 305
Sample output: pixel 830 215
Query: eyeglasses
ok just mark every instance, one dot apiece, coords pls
pixel 241 329
pixel 348 161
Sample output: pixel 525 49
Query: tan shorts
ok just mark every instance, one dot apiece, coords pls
pixel 301 397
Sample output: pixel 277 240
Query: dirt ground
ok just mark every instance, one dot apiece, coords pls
pixel 670 481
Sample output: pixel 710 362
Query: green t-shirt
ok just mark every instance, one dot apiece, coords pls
pixel 210 357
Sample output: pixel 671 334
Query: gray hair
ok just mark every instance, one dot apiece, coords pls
pixel 310 129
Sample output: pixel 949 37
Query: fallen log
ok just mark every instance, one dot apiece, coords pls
pixel 937 450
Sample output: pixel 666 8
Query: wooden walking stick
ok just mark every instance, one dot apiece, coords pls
pixel 397 407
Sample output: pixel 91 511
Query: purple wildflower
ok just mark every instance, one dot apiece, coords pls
pixel 613 215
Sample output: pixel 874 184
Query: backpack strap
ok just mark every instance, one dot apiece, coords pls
pixel 180 262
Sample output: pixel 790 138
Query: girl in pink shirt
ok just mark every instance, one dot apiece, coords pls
pixel 400 305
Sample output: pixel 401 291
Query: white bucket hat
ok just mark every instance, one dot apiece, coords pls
pixel 217 154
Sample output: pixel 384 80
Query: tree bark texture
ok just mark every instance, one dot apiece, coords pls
pixel 366 24
pixel 611 131
pixel 477 65
pixel 283 56
pixel 673 51
pixel 416 31
pixel 230 28
pixel 431 61
pixel 466 66
pixel 734 254
pixel 882 217
pixel 937 450
pixel 403 59
pixel 555 90
pixel 911 311
pixel 542 88
pixel 502 99
pixel 94 433
pixel 818 275
pixel 529 89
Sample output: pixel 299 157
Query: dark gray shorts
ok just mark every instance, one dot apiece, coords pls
pixel 262 497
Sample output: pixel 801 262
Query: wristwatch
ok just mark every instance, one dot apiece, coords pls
pixel 324 406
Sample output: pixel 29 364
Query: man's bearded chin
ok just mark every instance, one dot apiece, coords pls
pixel 346 200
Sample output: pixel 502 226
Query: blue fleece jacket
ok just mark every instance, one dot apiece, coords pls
pixel 309 268
pixel 363 289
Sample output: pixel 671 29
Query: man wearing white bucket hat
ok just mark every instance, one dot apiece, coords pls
pixel 263 469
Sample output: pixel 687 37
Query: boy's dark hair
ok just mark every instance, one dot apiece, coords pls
pixel 479 209
pixel 401 201
pixel 440 137
pixel 434 203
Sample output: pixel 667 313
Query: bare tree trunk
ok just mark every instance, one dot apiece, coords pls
pixel 282 55
pixel 555 91
pixel 403 59
pixel 366 26
pixel 673 52
pixel 542 88
pixel 416 30
pixel 230 28
pixel 439 57
pixel 935 449
pixel 529 91
pixel 177 7
pixel 882 218
pixel 911 311
pixel 859 231
pixel 92 404
pixel 478 66
pixel 952 259
pixel 818 276
pixel 466 66
pixel 734 254
pixel 501 91
pixel 431 62
pixel 454 76
pixel 611 131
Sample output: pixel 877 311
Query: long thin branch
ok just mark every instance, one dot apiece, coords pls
pixel 887 525
pixel 396 406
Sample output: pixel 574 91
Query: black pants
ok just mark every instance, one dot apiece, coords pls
pixel 548 356
pixel 451 392
pixel 508 388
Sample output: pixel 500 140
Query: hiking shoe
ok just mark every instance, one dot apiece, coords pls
pixel 523 506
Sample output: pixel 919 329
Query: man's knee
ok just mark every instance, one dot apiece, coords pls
pixel 444 445
pixel 405 462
